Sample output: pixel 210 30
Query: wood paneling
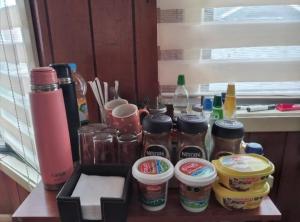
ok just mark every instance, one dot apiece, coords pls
pixel 288 193
pixel 146 50
pixel 274 146
pixel 11 194
pixel 71 41
pixel 113 42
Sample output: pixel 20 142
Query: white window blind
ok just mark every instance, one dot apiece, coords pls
pixel 17 57
pixel 213 41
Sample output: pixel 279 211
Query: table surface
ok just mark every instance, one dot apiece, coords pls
pixel 41 206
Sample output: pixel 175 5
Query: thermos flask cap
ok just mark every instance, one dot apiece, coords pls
pixel 43 76
pixel 62 69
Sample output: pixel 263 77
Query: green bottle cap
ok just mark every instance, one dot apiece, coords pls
pixel 217 101
pixel 181 80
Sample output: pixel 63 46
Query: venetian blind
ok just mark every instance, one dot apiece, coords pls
pixel 16 59
pixel 214 41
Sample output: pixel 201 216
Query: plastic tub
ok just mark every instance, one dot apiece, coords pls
pixel 196 177
pixel 242 172
pixel 153 174
pixel 240 200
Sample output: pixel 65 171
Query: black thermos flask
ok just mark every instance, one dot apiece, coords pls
pixel 67 85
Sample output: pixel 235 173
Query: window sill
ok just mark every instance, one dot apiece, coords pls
pixel 18 171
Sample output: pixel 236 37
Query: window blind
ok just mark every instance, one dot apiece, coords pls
pixel 17 57
pixel 213 41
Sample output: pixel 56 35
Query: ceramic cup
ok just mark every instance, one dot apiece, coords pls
pixel 109 106
pixel 126 118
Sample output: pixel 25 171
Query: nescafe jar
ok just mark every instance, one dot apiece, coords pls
pixel 157 138
pixel 191 137
pixel 227 137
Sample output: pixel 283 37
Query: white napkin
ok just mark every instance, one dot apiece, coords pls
pixel 91 188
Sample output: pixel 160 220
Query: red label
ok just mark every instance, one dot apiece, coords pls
pixel 195 169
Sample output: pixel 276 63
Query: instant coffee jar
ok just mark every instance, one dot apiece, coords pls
pixel 191 137
pixel 227 137
pixel 157 135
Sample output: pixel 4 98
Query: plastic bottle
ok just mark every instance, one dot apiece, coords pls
pixel 207 114
pixel 217 108
pixel 181 97
pixel 81 88
pixel 230 102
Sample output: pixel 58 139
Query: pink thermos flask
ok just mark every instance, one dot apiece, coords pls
pixel 50 128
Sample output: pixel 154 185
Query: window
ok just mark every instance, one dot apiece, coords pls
pixel 17 57
pixel 254 43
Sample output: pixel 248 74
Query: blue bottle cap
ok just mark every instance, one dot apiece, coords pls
pixel 207 104
pixel 254 148
pixel 73 67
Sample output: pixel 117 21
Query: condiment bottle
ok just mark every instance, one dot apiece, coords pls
pixel 50 128
pixel 157 135
pixel 217 108
pixel 227 137
pixel 191 138
pixel 230 102
pixel 68 88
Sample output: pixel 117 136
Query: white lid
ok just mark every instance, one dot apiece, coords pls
pixel 195 172
pixel 152 170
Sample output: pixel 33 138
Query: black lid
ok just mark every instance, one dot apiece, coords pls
pixel 157 123
pixel 63 70
pixel 230 129
pixel 191 124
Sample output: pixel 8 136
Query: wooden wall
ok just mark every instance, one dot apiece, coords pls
pixel 11 194
pixel 111 39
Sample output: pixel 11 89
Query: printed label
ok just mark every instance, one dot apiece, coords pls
pixel 194 197
pixel 244 163
pixel 153 195
pixel 153 167
pixel 82 109
pixel 195 169
pixel 191 152
pixel 157 150
pixel 242 203
pixel 244 184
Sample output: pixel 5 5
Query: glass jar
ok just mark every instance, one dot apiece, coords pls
pixel 157 138
pixel 227 137
pixel 191 138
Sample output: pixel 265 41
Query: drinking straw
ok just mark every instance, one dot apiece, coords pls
pixel 105 92
pixel 117 88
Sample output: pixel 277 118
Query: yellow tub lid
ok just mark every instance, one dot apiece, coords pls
pixel 224 192
pixel 244 165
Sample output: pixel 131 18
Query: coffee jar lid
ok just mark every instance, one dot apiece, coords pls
pixel 157 123
pixel 230 129
pixel 191 124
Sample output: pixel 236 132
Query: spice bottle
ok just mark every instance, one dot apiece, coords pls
pixel 227 137
pixel 157 135
pixel 191 137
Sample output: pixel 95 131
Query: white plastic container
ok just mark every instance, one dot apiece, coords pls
pixel 196 177
pixel 153 174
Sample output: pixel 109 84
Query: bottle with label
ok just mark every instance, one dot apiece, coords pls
pixel 230 102
pixel 191 139
pixel 217 108
pixel 81 88
pixel 181 97
pixel 157 135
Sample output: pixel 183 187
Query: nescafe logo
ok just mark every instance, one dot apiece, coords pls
pixel 156 150
pixel 192 152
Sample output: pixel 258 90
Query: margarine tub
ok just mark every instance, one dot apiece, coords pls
pixel 196 177
pixel 242 172
pixel 240 200
pixel 153 174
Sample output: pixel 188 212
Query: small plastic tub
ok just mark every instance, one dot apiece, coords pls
pixel 242 172
pixel 235 200
pixel 153 174
pixel 196 177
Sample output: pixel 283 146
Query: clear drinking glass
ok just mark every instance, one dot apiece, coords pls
pixel 104 148
pixel 128 148
pixel 86 146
